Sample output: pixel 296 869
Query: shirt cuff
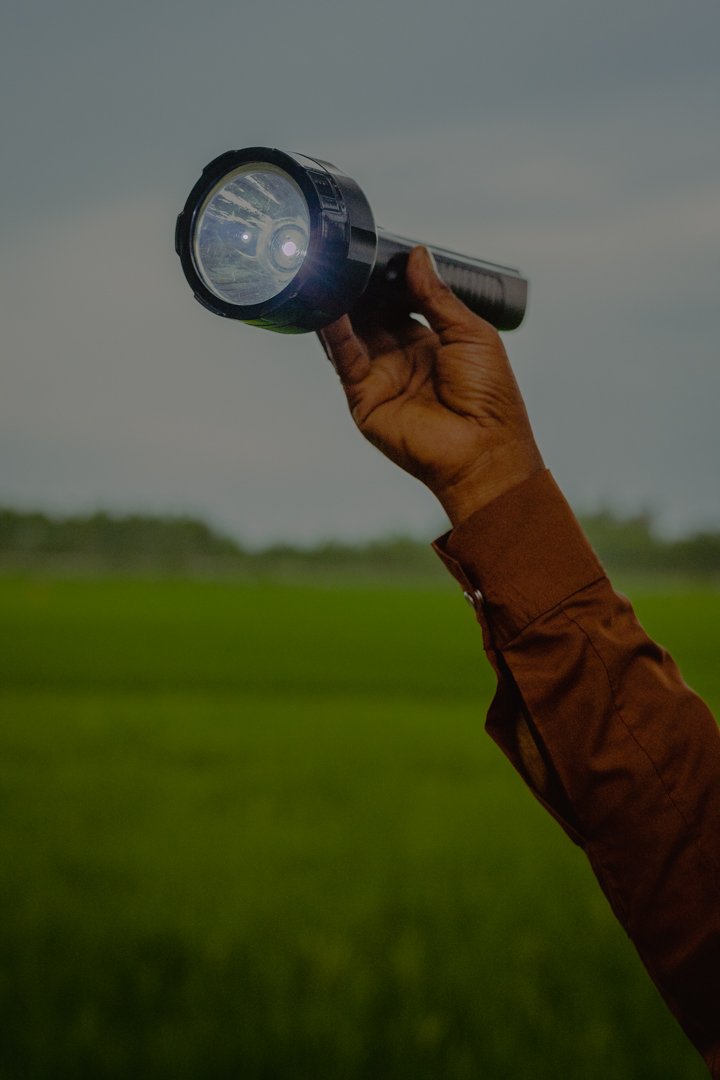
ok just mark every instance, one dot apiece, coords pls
pixel 520 555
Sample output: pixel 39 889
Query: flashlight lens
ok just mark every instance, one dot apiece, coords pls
pixel 251 234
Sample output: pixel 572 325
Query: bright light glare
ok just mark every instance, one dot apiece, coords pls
pixel 289 249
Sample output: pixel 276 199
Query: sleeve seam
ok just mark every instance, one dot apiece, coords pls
pixel 558 605
pixel 705 857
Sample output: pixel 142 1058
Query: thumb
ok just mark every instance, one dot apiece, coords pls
pixel 434 299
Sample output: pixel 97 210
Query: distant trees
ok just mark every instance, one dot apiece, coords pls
pixel 110 539
pixel 186 545
pixel 630 544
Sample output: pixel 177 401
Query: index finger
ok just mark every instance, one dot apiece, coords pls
pixel 444 311
pixel 345 351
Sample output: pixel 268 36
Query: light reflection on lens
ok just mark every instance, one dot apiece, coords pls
pixel 287 247
pixel 251 234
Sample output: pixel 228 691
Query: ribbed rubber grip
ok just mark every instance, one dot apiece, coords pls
pixel 496 293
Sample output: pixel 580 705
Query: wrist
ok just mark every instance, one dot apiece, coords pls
pixel 498 472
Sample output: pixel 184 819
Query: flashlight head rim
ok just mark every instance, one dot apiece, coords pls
pixel 341 248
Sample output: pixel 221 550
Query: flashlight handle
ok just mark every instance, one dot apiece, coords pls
pixel 496 293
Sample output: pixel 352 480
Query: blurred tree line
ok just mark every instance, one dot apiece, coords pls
pixel 102 542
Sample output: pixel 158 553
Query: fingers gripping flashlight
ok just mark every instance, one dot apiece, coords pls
pixel 289 243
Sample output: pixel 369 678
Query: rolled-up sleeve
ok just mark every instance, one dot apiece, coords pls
pixel 600 724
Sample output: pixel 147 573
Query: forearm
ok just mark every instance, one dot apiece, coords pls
pixel 598 721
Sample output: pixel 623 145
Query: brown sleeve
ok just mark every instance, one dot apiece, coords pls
pixel 597 719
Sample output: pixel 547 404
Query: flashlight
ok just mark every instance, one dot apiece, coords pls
pixel 289 243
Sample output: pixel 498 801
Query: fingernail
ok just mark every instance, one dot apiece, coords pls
pixel 431 260
pixel 326 348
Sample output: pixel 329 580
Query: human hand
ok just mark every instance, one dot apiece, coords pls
pixel 442 403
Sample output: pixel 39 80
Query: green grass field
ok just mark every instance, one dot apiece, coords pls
pixel 252 831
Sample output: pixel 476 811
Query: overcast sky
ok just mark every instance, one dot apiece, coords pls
pixel 577 141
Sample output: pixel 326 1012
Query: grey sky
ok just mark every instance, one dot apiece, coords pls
pixel 576 141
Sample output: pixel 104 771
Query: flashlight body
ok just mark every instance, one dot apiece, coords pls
pixel 230 234
pixel 496 293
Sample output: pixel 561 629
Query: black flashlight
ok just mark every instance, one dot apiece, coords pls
pixel 289 243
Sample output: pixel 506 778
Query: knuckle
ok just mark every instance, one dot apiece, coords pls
pixel 441 287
